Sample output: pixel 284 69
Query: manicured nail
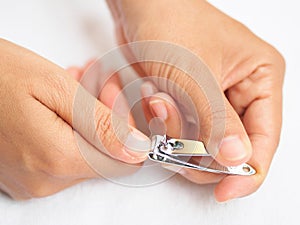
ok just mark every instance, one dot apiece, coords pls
pixel 233 149
pixel 137 144
pixel 159 109
pixel 135 154
pixel 175 169
pixel 223 202
pixel 147 89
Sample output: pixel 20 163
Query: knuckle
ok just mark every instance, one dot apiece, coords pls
pixel 111 131
pixel 55 169
pixel 39 186
pixel 42 189
pixel 41 183
pixel 48 164
pixel 59 166
pixel 277 60
pixel 232 120
pixel 103 123
pixel 30 161
pixel 61 88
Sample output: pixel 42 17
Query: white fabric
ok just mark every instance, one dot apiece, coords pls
pixel 69 32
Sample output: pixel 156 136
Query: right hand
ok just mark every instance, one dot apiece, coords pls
pixel 248 71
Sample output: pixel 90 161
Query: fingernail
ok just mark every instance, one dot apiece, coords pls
pixel 222 199
pixel 233 149
pixel 175 169
pixel 147 89
pixel 222 202
pixel 159 109
pixel 137 144
pixel 135 154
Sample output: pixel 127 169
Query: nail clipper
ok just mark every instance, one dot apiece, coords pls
pixel 178 152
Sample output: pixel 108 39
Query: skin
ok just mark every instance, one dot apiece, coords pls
pixel 248 70
pixel 39 152
pixel 37 94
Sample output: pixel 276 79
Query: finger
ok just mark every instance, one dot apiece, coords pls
pixel 109 93
pixel 73 160
pixel 203 100
pixel 164 107
pixel 173 124
pixel 112 96
pixel 235 148
pixel 153 105
pixel 62 157
pixel 112 92
pixel 200 177
pixel 263 131
pixel 258 99
pixel 195 176
pixel 91 118
pixel 148 89
pixel 75 72
pixel 88 64
pixel 78 72
pixel 161 105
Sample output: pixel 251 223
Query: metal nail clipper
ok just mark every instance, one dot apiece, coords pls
pixel 179 152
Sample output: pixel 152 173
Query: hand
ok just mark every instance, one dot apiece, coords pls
pixel 248 70
pixel 39 153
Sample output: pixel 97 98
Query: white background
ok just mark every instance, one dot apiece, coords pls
pixel 70 32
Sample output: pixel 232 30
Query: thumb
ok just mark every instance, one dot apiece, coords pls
pixel 235 148
pixel 94 121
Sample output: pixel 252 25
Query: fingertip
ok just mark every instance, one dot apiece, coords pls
pixel 136 146
pixel 164 107
pixel 133 157
pixel 113 97
pixel 232 187
pixel 159 109
pixel 90 62
pixel 148 89
pixel 75 72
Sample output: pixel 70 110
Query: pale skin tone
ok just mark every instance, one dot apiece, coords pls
pixel 250 76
